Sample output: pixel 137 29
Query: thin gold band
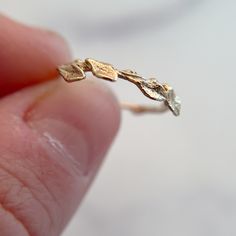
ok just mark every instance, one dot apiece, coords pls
pixel 139 108
pixel 151 88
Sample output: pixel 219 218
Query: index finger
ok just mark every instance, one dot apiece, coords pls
pixel 28 55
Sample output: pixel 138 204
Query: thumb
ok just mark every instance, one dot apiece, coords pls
pixel 53 139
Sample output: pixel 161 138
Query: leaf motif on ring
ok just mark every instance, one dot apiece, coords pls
pixel 71 72
pixel 152 89
pixel 102 70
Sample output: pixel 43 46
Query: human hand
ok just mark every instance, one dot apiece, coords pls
pixel 54 135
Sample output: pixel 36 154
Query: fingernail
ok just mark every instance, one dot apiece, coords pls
pixel 77 123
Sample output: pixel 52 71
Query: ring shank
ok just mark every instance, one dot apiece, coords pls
pixel 139 108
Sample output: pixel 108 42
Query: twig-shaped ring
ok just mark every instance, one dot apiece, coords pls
pixel 151 88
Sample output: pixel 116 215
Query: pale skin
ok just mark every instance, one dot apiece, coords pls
pixel 54 135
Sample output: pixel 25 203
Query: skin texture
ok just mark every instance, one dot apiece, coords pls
pixel 54 135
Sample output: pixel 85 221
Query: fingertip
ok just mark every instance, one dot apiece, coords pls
pixel 67 112
pixel 28 55
pixel 87 107
pixel 55 137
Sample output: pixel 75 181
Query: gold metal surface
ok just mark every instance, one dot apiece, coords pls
pixel 151 88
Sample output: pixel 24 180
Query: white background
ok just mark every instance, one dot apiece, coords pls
pixel 164 175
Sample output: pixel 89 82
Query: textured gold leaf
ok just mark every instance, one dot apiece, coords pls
pixel 71 72
pixel 102 70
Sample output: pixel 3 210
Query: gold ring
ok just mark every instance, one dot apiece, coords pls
pixel 151 88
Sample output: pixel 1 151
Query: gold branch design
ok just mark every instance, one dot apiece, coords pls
pixel 151 88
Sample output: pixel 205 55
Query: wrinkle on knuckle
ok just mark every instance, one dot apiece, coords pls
pixel 18 199
pixel 9 219
pixel 36 182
